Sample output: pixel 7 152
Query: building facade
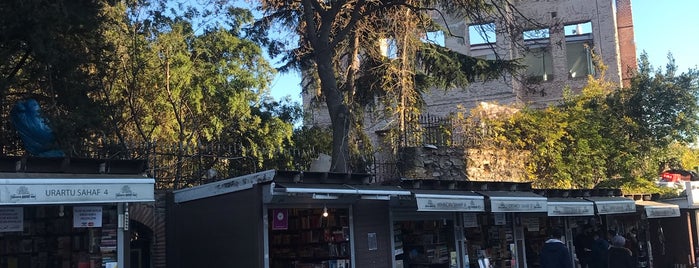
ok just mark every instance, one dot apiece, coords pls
pixel 555 39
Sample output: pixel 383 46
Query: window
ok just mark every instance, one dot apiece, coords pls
pixel 479 34
pixel 389 48
pixel 536 34
pixel 578 28
pixel 578 52
pixel 537 55
pixel 436 38
pixel 539 64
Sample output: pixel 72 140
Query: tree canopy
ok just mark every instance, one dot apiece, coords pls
pixel 113 74
pixel 607 135
pixel 339 53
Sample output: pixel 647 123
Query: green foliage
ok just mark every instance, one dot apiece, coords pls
pixel 340 49
pixel 146 71
pixel 48 51
pixel 305 145
pixel 609 137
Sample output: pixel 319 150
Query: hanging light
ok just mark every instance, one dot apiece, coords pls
pixel 325 212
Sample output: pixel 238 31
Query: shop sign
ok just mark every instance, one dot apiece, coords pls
pixel 84 217
pixel 470 220
pixel 662 212
pixel 517 206
pixel 692 192
pixel 571 209
pixel 76 191
pixel 281 219
pixel 615 207
pixel 499 219
pixel 11 219
pixel 449 204
pixel 532 224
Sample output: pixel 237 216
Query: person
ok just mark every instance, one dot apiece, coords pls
pixel 583 245
pixel 598 255
pixel 619 256
pixel 554 253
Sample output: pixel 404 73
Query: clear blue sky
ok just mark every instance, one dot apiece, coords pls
pixel 659 27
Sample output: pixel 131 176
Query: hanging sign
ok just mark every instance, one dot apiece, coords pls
pixel 280 219
pixel 11 219
pixel 470 220
pixel 87 217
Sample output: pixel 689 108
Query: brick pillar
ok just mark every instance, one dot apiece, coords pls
pixel 627 45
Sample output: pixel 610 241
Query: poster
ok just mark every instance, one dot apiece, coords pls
pixel 280 219
pixel 87 217
pixel 470 220
pixel 499 218
pixel 11 219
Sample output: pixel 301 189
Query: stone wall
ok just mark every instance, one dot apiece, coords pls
pixel 437 163
pixel 455 163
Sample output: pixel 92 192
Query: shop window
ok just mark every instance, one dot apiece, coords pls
pixel 428 243
pixel 578 52
pixel 481 34
pixel 313 237
pixel 58 236
pixel 537 56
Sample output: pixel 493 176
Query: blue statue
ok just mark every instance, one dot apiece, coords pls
pixel 36 135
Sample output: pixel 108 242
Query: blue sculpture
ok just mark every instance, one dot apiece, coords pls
pixel 36 135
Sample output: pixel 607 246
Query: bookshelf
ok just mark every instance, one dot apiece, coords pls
pixel 49 240
pixel 423 243
pixel 311 240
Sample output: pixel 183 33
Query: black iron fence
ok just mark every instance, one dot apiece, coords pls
pixel 175 166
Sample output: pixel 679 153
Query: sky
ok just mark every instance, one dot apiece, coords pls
pixel 659 27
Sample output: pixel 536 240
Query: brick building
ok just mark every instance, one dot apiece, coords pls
pixel 556 41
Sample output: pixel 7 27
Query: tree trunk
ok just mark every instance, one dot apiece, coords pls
pixel 338 110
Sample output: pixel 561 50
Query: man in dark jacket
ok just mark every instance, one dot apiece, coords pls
pixel 554 253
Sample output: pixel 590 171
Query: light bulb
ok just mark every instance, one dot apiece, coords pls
pixel 325 212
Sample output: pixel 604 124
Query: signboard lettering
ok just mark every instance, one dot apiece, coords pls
pixel 518 206
pixel 449 204
pixel 570 209
pixel 11 219
pixel 73 192
pixel 87 217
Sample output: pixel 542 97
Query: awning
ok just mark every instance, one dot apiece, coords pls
pixel 333 191
pixel 655 210
pixel 62 190
pixel 613 205
pixel 506 201
pixel 456 201
pixel 222 187
pixel 570 207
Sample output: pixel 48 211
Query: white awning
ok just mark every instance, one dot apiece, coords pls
pixel 62 190
pixel 223 187
pixel 655 210
pixel 333 191
pixel 456 201
pixel 504 201
pixel 570 207
pixel 613 205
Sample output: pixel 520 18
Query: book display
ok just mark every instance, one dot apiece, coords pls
pixel 49 239
pixel 419 244
pixel 310 238
pixel 488 242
